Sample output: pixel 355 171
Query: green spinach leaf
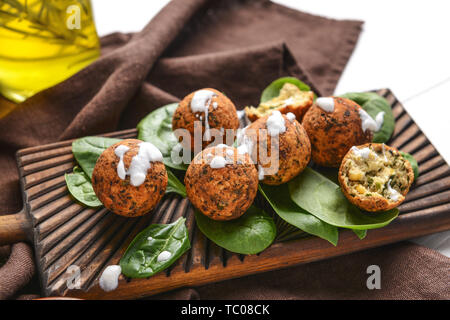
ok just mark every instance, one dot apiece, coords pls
pixel 360 233
pixel 278 198
pixel 174 185
pixel 273 89
pixel 373 104
pixel 87 150
pixel 324 199
pixel 330 173
pixel 253 232
pixel 141 258
pixel 156 128
pixel 413 163
pixel 80 188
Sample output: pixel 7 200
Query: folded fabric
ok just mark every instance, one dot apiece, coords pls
pixel 407 271
pixel 17 271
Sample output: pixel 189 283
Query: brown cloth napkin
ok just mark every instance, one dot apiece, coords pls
pixel 236 46
pixel 408 271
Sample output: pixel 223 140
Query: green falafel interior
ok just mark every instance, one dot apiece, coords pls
pixel 324 199
pixel 376 172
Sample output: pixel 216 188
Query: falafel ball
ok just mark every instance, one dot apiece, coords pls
pixel 209 108
pixel 129 177
pixel 334 125
pixel 290 99
pixel 375 177
pixel 221 183
pixel 280 146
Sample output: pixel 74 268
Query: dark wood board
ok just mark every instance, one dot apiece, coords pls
pixel 65 233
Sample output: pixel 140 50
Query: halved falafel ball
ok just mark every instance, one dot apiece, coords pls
pixel 334 125
pixel 221 183
pixel 375 177
pixel 129 178
pixel 291 99
pixel 280 146
pixel 211 110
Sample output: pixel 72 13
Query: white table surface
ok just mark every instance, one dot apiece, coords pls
pixel 405 46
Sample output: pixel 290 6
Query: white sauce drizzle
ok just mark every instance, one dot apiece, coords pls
pixel 384 152
pixel 392 193
pixel 275 123
pixel 175 153
pixel 140 163
pixel 120 152
pixel 229 150
pixel 326 104
pixel 363 153
pixel 288 102
pixel 215 105
pixel 164 256
pixel 200 103
pixel 218 162
pixel 244 143
pixel 260 172
pixel 240 135
pixel 222 145
pixel 109 280
pixel 201 100
pixel 379 119
pixel 368 123
pixel 240 114
pixel 290 116
pixel 245 147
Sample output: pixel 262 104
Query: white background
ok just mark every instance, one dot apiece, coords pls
pixel 405 46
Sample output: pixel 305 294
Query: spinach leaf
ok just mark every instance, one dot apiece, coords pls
pixel 141 258
pixel 413 163
pixel 253 232
pixel 156 128
pixel 373 104
pixel 330 173
pixel 87 150
pixel 324 199
pixel 174 185
pixel 80 188
pixel 278 198
pixel 273 89
pixel 360 233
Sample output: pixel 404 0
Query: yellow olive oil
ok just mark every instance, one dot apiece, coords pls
pixel 43 42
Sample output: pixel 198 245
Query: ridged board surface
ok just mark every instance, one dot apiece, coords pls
pixel 66 233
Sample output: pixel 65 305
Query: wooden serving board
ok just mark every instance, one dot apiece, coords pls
pixel 65 233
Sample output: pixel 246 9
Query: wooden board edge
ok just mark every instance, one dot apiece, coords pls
pixel 278 256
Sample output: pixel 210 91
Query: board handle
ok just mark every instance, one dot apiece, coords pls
pixel 14 228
